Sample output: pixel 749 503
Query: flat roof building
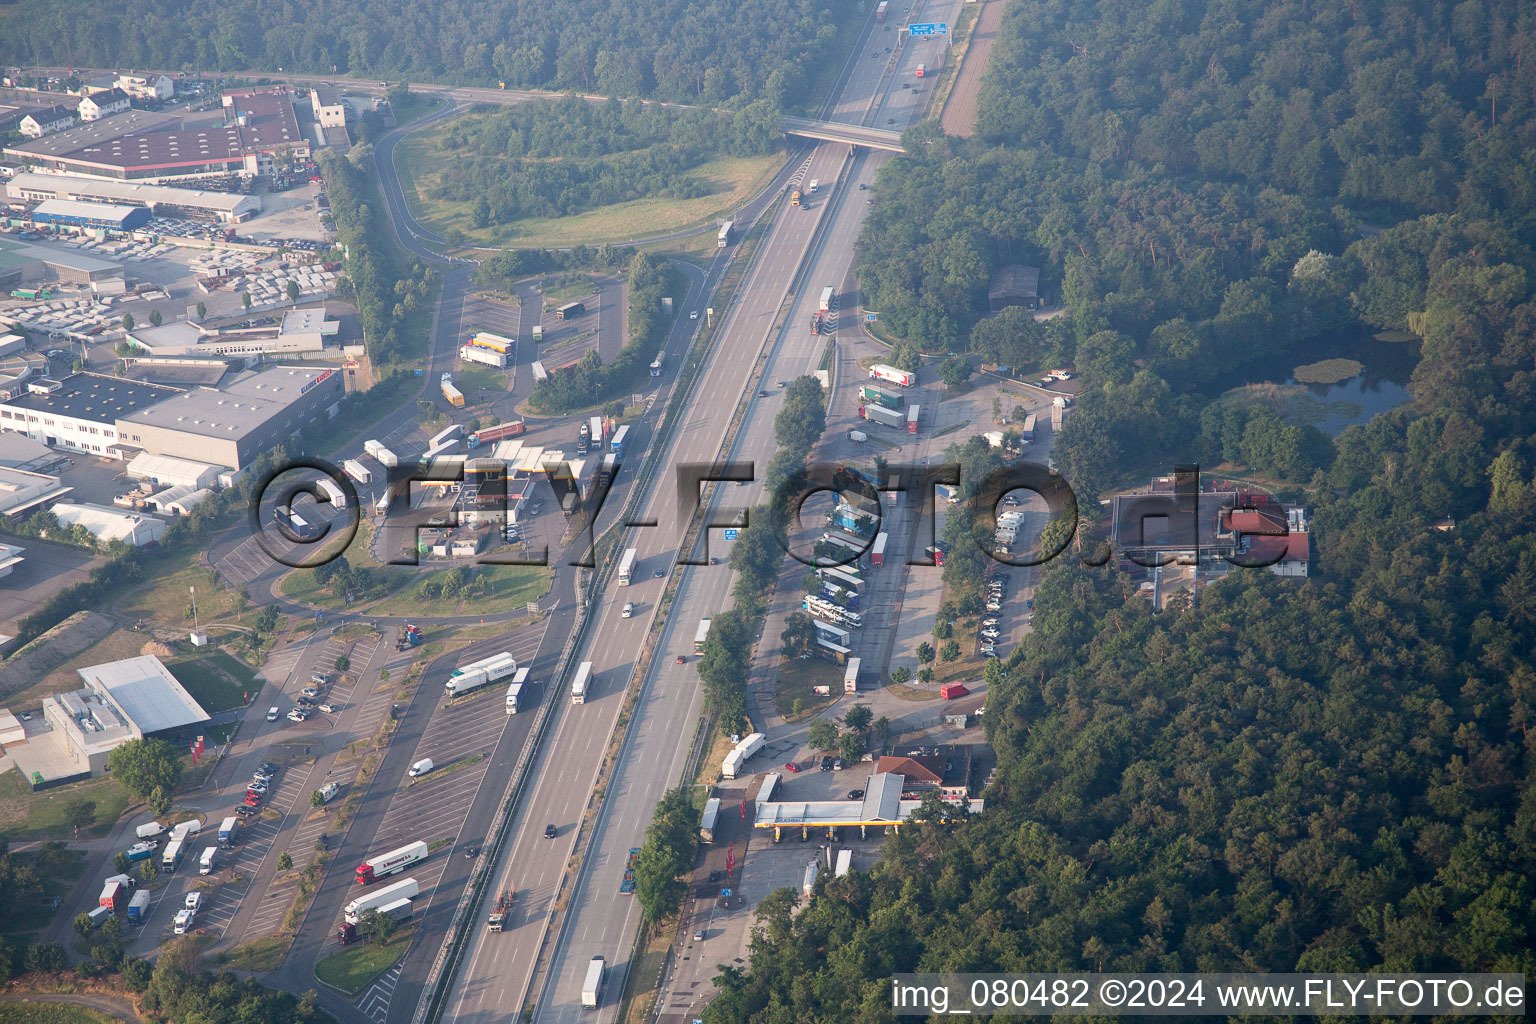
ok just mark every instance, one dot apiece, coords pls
pixel 22 491
pixel 299 331
pixel 161 200
pixel 80 412
pixel 71 213
pixel 234 425
pixel 109 524
pixel 121 701
pixel 329 110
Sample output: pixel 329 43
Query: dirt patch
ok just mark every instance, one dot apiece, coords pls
pixel 43 655
pixel 959 117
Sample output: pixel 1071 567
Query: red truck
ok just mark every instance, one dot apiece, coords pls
pixel 114 896
pixel 949 691
pixel 490 435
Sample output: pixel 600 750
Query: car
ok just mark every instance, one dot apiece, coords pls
pixel 781 384
pixel 253 799
pixel 183 921
pixel 659 573
pixel 680 660
pixel 862 186
pixel 26 716
pixel 194 901
pixel 310 691
pixel 305 702
pixel 629 609
pixel 869 202
pixel 990 634
pixel 890 120
pixel 993 606
pixel 270 767
pixel 272 714
pixel 138 851
pixel 245 810
pixel 259 788
pixel 297 715
pixel 1010 500
pixel 471 852
pixel 549 831
pixel 264 773
pixel 330 708
pixel 791 766
pixel 989 622
pixel 826 763
pixel 694 315
pixel 318 679
pixel 837 764
pixel 855 794
pixel 714 561
pixel 762 394
pixel 698 935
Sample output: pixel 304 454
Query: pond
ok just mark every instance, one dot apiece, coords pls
pixel 1380 385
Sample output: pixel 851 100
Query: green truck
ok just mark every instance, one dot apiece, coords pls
pixel 869 393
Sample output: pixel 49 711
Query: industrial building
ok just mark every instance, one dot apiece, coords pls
pixel 160 200
pixel 10 558
pixel 167 471
pixel 300 331
pixel 120 701
pixel 22 491
pixel 81 412
pixel 142 146
pixel 72 213
pixel 329 110
pixel 234 425
pixel 109 524
pixel 98 105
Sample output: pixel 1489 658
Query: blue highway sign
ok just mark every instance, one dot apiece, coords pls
pixel 931 29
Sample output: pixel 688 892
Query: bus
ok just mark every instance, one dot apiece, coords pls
pixel 616 444
pixel 724 238
pixel 627 568
pixel 701 636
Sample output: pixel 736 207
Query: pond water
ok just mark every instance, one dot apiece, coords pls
pixel 1382 385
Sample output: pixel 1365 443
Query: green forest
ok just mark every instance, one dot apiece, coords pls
pixel 568 156
pixel 1329 775
pixel 686 51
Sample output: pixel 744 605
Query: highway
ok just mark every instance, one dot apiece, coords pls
pixel 500 967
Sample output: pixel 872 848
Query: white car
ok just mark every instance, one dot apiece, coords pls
pixel 694 315
pixel 183 921
pixel 310 691
pixel 629 609
pixel 297 715
pixel 272 714
pixel 259 788
pixel 989 622
pixel 194 901
pixel 330 708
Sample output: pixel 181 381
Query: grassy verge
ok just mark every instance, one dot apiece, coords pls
pixel 556 292
pixel 952 428
pixel 644 968
pixel 38 1011
pixel 217 681
pixel 354 967
pixel 798 678
pixel 475 377
pixel 732 180
pixel 448 769
pixel 28 815
pixel 492 590
pixel 58 874
pixel 264 955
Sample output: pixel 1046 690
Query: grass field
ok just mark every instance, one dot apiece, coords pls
pixel 358 964
pixel 476 377
pixel 57 880
pixel 216 681
pixel 38 1012
pixel 733 181
pixel 557 291
pixel 495 590
pixel 261 955
pixel 798 678
pixel 28 815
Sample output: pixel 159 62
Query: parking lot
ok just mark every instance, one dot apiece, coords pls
pixel 45 570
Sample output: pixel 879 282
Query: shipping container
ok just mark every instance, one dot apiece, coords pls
pixel 844 863
pixel 851 676
pixel 592 984
pixel 616 444
pixel 171 855
pixel 539 373
pixel 827 295
pixel 485 356
pixel 880 10
pixel 357 471
pixel 1028 433
pixel 480 673
pixel 707 824
pixel 228 829
pixel 138 907
pixel 405 889
pixel 490 435
pixel 891 375
pixel 454 395
pixel 883 416
pixel 868 393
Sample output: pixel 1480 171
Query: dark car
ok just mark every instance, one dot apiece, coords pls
pixel 471 851
pixel 826 764
pixel 855 794
pixel 890 120
pixel 549 831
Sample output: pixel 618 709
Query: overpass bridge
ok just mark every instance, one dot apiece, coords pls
pixel 841 131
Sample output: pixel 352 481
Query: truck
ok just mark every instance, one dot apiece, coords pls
pixel 370 871
pixel 949 691
pixel 447 435
pixel 596 430
pixel 844 863
pixel 295 524
pixel 357 471
pixel 851 675
pixel 328 791
pixel 490 435
pixel 627 568
pixel 206 861
pixel 868 394
pixel 815 323
pixel 480 673
pixel 656 365
pixel 583 438
pixel 405 889
pixel 608 469
pixel 877 553
pixel 500 912
pixel 592 984
pixel 794 197
pixel 579 684
pixel 891 375
pixel 827 293
pixel 410 636
pixel 488 356
pixel 701 636
pixel 494 342
pixel 332 491
pixel 724 238
pixel 883 416
pixel 149 830
pixel 570 311
pixel 707 824
pixel 454 395
pixel 537 366
pixel 382 455
pixel 515 690
pixel 228 829
pixel 827 631
pixel 808 880
pixel 399 910
pixel 880 10
pixel 1028 433
pixel 114 896
pixel 619 439
pixel 912 412
pixel 922 69
pixel 138 907
pixel 858 436
pixel 171 855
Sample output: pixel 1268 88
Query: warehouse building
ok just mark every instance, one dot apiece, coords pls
pixel 300 331
pixel 72 213
pixel 161 200
pixel 98 105
pixel 81 412
pixel 233 426
pixel 123 700
pixel 22 491
pixel 110 524
pixel 144 146
pixel 166 471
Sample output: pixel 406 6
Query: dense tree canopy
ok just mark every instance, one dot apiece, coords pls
pixel 688 51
